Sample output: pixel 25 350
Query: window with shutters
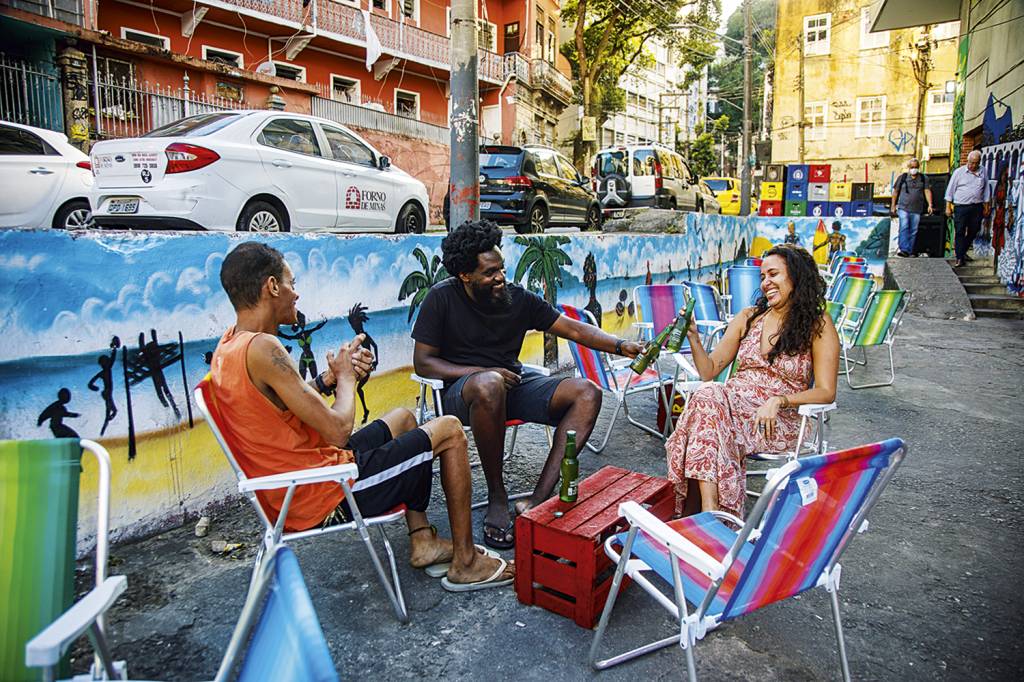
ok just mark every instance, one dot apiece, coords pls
pixel 487 35
pixel 552 47
pixel 344 89
pixel 407 103
pixel 290 71
pixel 511 37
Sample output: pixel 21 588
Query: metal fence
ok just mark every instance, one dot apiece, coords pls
pixel 365 117
pixel 128 108
pixel 30 94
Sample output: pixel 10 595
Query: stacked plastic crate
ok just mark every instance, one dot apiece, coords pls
pixel 809 190
pixel 772 190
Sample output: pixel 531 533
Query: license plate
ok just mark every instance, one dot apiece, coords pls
pixel 123 206
pixel 618 214
pixel 485 205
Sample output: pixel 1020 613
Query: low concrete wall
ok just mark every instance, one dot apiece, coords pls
pixel 936 290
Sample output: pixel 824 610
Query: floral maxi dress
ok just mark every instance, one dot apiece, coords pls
pixel 717 430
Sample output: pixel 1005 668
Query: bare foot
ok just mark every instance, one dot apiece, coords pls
pixel 427 548
pixel 523 506
pixel 482 568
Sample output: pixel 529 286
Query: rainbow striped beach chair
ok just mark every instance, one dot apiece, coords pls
pixel 278 635
pixel 876 327
pixel 792 542
pixel 656 307
pixel 620 381
pixel 39 482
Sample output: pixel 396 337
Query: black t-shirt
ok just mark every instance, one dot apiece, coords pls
pixel 469 334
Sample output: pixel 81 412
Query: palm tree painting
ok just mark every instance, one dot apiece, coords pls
pixel 417 283
pixel 542 263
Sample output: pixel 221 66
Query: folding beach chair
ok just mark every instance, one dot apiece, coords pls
pixel 707 308
pixel 435 386
pixel 744 288
pixel 796 533
pixel 755 262
pixel 876 327
pixel 656 307
pixel 273 528
pixel 39 482
pixel 836 258
pixel 852 292
pixel 622 381
pixel 277 639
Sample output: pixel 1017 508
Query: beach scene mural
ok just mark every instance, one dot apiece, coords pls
pixel 873 238
pixel 106 334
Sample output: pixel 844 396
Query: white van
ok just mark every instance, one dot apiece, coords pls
pixel 645 176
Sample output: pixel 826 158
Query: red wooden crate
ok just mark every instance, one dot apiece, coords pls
pixel 560 561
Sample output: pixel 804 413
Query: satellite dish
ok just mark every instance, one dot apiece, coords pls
pixel 267 68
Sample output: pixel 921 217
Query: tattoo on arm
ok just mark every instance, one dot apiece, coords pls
pixel 282 361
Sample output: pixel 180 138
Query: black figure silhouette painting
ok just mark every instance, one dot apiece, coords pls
pixel 357 319
pixel 304 337
pixel 590 282
pixel 56 412
pixel 149 362
pixel 105 377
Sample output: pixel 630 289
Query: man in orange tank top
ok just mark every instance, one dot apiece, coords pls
pixel 283 423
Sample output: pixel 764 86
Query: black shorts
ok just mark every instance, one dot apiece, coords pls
pixel 392 471
pixel 529 400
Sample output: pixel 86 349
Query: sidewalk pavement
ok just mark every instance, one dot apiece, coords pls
pixel 931 591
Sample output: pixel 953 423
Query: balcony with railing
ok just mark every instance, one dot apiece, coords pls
pixel 68 11
pixel 333 19
pixel 546 77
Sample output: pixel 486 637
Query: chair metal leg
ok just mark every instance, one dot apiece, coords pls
pixel 837 621
pixel 611 425
pixel 888 382
pixel 397 602
pixel 645 427
pixel 396 580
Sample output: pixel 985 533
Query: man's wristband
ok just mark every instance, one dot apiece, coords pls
pixel 618 346
pixel 321 386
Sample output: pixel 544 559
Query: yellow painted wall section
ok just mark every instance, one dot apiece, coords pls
pixel 851 70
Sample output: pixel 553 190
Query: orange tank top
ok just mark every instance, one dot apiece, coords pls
pixel 269 440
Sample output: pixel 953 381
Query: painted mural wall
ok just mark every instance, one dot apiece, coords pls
pixel 107 333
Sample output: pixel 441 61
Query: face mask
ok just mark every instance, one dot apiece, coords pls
pixel 914 171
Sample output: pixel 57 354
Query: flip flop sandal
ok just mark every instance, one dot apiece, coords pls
pixel 492 581
pixel 507 531
pixel 441 570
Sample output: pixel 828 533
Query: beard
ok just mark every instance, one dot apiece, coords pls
pixel 488 298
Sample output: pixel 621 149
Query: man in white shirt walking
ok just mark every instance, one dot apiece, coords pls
pixel 967 202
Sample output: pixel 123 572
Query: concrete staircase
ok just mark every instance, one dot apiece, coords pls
pixel 987 295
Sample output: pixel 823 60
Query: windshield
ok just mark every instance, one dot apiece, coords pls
pixel 718 185
pixel 195 126
pixel 488 160
pixel 609 163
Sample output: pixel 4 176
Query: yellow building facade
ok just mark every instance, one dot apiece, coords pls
pixel 861 101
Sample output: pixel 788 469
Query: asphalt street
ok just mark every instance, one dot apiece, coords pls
pixel 931 591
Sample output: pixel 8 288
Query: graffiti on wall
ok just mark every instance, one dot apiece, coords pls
pixel 900 139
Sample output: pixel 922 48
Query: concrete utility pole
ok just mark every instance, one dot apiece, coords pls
pixel 464 185
pixel 745 160
pixel 922 63
pixel 801 107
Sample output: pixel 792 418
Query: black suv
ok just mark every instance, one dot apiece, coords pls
pixel 532 187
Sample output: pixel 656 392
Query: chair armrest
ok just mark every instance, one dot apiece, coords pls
pixel 436 384
pixel 814 409
pixel 676 543
pixel 538 368
pixel 302 477
pixel 684 364
pixel 46 648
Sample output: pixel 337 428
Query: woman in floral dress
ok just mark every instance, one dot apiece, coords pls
pixel 782 342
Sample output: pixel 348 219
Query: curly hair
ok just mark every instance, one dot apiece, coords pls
pixel 459 250
pixel 804 320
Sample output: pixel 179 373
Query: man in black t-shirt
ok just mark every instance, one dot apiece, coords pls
pixel 470 332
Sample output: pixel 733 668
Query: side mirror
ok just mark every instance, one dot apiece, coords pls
pixel 584 180
pixel 384 162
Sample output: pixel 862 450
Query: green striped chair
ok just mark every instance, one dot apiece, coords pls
pixel 38 524
pixel 876 327
pixel 835 311
pixel 852 293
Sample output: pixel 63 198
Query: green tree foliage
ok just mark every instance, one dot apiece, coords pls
pixel 726 75
pixel 417 283
pixel 701 154
pixel 609 38
pixel 541 263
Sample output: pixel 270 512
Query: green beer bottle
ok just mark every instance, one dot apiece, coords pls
pixel 650 352
pixel 680 326
pixel 570 470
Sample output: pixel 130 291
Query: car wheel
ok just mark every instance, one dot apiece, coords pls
pixel 593 218
pixel 74 215
pixel 672 205
pixel 700 207
pixel 538 219
pixel 260 216
pixel 410 220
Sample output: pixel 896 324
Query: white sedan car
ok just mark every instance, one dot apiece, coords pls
pixel 265 171
pixel 45 180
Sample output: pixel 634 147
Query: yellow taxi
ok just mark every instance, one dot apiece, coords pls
pixel 727 191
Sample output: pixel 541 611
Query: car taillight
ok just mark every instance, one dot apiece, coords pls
pixel 182 158
pixel 84 164
pixel 657 175
pixel 519 181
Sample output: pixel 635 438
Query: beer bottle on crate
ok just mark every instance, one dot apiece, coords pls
pixel 651 352
pixel 680 326
pixel 570 470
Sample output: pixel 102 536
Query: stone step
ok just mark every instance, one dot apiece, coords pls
pixel 984 288
pixel 978 279
pixel 996 302
pixel 995 312
pixel 974 268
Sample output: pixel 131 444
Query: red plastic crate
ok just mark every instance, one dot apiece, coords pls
pixel 770 208
pixel 821 173
pixel 560 561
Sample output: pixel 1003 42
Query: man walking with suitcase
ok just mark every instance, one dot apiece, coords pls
pixel 911 196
